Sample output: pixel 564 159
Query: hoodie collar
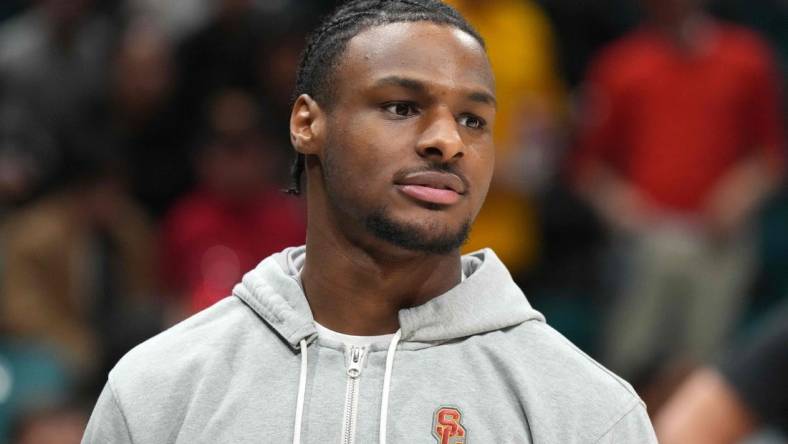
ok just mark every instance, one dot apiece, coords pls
pixel 276 296
pixel 487 300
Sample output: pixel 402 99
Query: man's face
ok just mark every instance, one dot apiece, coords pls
pixel 408 152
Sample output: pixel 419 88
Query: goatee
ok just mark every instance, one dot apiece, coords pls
pixel 416 238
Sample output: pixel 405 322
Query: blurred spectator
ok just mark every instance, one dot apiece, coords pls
pixel 144 123
pixel 276 72
pixel 28 155
pixel 237 216
pixel 530 100
pixel 247 44
pixel 78 266
pixel 749 390
pixel 681 141
pixel 53 59
pixel 222 52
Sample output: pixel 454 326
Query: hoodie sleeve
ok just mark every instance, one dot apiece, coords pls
pixel 107 423
pixel 633 427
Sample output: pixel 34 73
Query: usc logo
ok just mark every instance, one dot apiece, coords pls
pixel 446 426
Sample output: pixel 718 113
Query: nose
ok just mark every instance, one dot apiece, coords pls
pixel 441 139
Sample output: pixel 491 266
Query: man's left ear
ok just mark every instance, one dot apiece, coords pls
pixel 307 125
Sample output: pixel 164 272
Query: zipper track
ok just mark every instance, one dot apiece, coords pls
pixel 351 395
pixel 351 406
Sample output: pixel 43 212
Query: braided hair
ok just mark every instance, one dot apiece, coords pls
pixel 326 44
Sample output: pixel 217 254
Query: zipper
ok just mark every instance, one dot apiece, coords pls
pixel 355 364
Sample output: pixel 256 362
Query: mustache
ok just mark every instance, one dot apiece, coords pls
pixel 446 168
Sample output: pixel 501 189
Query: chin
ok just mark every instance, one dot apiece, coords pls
pixel 430 236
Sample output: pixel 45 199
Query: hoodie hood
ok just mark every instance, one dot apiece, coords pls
pixel 487 300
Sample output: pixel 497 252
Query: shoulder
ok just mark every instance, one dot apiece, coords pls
pixel 176 377
pixel 745 48
pixel 565 382
pixel 564 360
pixel 200 347
pixel 741 38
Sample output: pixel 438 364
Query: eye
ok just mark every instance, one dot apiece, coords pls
pixel 401 109
pixel 472 121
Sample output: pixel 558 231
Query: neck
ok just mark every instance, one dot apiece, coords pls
pixel 358 286
pixel 687 31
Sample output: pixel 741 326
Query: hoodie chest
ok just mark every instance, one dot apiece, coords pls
pixel 436 395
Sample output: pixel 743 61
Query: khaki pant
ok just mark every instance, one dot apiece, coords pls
pixel 680 296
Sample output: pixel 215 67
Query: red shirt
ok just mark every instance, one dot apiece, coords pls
pixel 209 243
pixel 673 124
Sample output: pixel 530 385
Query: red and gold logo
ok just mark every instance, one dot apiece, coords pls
pixel 446 426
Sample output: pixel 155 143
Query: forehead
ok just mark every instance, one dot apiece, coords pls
pixel 440 53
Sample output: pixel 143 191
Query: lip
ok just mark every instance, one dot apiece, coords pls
pixel 432 187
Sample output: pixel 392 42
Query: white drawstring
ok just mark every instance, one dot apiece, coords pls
pixel 301 393
pixel 384 403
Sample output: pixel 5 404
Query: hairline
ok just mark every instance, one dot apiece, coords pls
pixel 328 102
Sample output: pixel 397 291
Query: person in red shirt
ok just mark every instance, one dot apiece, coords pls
pixel 680 142
pixel 235 217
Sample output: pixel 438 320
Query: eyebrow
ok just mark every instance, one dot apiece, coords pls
pixel 482 97
pixel 419 87
pixel 403 82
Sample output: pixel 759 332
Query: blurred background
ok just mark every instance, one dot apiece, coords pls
pixel 639 201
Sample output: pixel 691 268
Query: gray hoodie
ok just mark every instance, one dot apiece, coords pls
pixel 476 364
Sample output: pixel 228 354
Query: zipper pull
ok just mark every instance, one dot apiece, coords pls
pixel 356 358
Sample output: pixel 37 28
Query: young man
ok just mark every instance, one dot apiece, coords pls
pixel 377 330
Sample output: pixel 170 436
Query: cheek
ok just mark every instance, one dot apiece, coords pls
pixel 482 158
pixel 482 172
pixel 370 146
pixel 356 165
pixel 488 160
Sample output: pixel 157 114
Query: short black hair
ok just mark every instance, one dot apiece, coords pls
pixel 324 46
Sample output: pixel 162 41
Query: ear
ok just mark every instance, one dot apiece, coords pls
pixel 307 125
